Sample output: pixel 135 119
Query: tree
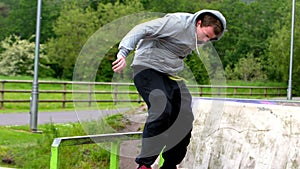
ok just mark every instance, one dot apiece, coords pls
pixel 72 29
pixel 75 26
pixel 19 17
pixel 108 13
pixel 4 20
pixel 22 18
pixel 249 25
pixel 197 67
pixel 278 62
pixel 247 69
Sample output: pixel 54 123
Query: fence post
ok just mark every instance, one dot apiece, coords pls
pixel 90 94
pixel 234 91
pixel 265 92
pixel 200 91
pixel 116 93
pixel 250 91
pixel 64 95
pixel 2 95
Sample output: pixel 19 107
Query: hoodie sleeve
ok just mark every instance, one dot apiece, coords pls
pixel 151 29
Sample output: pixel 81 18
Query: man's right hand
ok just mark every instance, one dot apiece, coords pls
pixel 119 64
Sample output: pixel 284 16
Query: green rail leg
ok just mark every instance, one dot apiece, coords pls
pixel 54 161
pixel 114 155
pixel 161 159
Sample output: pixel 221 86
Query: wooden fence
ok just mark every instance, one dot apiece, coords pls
pixel 90 92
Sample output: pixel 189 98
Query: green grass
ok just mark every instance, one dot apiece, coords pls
pixel 17 135
pixel 26 78
pixel 256 91
pixel 27 150
pixel 255 83
pixel 244 92
pixel 25 107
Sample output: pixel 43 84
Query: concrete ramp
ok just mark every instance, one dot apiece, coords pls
pixel 238 135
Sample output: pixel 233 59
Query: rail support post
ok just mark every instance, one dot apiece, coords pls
pixel 54 161
pixel 114 155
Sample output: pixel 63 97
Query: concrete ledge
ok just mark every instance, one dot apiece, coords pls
pixel 242 135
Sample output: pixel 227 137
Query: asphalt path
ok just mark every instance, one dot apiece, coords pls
pixel 16 119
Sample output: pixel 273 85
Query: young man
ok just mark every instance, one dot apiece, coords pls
pixel 161 45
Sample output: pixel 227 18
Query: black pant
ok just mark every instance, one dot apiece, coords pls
pixel 170 118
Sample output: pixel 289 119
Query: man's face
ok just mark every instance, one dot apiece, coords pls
pixel 204 34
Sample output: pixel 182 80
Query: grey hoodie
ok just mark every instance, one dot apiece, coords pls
pixel 163 43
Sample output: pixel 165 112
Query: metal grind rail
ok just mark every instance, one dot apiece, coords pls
pixel 114 138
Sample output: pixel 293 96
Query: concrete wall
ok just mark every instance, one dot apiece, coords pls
pixel 231 135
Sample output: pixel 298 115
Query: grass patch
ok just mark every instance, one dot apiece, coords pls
pixel 14 137
pixel 117 121
pixel 255 83
pixel 235 89
pixel 24 107
pixel 22 149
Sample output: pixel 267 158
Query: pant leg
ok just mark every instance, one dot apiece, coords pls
pixel 175 155
pixel 153 87
pixel 182 120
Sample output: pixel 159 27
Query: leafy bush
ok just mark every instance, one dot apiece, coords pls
pixel 18 58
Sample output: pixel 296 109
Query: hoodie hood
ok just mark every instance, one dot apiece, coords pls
pixel 218 14
pixel 162 44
